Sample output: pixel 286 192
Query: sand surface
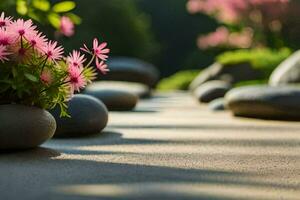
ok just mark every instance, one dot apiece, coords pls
pixel 169 148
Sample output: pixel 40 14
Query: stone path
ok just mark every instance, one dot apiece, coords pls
pixel 169 148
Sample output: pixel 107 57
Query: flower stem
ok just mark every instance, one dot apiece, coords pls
pixel 92 59
pixel 44 63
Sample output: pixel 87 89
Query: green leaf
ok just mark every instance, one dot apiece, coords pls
pixel 31 77
pixel 42 5
pixel 64 6
pixel 75 18
pixel 21 7
pixel 14 72
pixel 34 16
pixel 54 20
pixel 90 73
pixel 63 110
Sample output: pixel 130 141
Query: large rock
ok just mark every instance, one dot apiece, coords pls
pixel 140 90
pixel 230 73
pixel 217 105
pixel 131 70
pixel 211 90
pixel 24 127
pixel 265 102
pixel 88 116
pixel 114 99
pixel 287 72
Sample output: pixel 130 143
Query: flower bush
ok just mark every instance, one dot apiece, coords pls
pixel 231 11
pixel 66 27
pixel 248 23
pixel 222 37
pixel 58 15
pixel 34 70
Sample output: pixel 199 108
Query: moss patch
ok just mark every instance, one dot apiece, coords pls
pixel 265 60
pixel 179 81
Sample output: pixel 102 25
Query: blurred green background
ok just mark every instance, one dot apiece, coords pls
pixel 161 32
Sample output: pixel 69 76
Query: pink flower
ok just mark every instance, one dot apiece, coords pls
pixel 4 21
pixel 19 54
pixel 223 38
pixel 243 39
pixel 236 10
pixel 46 77
pixel 102 67
pixel 85 49
pixel 100 53
pixel 99 50
pixel 75 59
pixel 66 26
pixel 3 53
pixel 194 6
pixel 37 40
pixel 76 79
pixel 52 51
pixel 5 37
pixel 217 38
pixel 21 28
pixel 223 10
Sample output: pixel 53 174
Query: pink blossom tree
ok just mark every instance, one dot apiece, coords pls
pixel 246 23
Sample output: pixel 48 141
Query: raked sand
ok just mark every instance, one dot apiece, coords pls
pixel 169 148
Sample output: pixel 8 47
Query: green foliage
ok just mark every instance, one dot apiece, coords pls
pixel 121 24
pixel 265 60
pixel 8 6
pixel 252 82
pixel 177 30
pixel 20 82
pixel 64 6
pixel 42 11
pixel 179 81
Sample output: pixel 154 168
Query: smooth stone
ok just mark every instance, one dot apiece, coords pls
pixel 114 99
pixel 88 116
pixel 131 70
pixel 211 90
pixel 140 90
pixel 266 102
pixel 217 105
pixel 24 127
pixel 232 74
pixel 287 72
